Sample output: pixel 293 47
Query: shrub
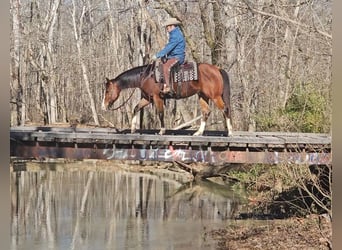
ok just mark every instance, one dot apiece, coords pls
pixel 308 110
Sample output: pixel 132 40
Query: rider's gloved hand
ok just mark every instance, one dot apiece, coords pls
pixel 154 57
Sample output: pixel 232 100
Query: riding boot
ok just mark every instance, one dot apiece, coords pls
pixel 166 70
pixel 166 80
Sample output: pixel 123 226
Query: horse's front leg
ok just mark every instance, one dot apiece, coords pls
pixel 142 103
pixel 160 110
pixel 162 126
pixel 205 114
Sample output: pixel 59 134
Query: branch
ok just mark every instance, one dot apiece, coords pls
pixel 327 35
pixel 187 123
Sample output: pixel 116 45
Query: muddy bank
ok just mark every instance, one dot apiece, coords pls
pixel 312 232
pixel 289 208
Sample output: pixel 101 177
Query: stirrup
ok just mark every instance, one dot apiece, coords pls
pixel 166 89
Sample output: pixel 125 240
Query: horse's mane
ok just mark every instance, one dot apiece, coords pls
pixel 132 76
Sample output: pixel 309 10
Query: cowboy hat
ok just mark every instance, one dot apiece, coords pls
pixel 171 21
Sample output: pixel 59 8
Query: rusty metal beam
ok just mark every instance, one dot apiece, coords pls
pixel 168 154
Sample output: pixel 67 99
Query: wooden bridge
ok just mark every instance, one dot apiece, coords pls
pixel 177 145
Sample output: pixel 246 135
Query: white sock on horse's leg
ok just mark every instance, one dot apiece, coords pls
pixel 134 124
pixel 162 131
pixel 229 127
pixel 201 128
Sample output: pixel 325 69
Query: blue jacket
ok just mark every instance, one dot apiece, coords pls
pixel 175 47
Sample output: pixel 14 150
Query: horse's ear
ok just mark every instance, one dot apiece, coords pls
pixel 107 80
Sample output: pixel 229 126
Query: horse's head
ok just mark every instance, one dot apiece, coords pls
pixel 111 94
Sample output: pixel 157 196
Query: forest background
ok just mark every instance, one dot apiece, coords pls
pixel 278 54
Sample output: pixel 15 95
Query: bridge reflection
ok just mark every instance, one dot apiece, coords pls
pixel 82 209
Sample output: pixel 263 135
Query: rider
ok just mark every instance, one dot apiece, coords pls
pixel 174 50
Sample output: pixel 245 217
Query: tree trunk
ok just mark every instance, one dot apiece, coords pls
pixel 52 86
pixel 78 38
pixel 16 88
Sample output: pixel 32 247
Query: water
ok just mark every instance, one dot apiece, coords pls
pixel 95 209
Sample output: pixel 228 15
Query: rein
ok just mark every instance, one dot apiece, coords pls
pixel 148 69
pixel 124 103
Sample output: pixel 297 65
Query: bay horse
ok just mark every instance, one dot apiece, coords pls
pixel 212 84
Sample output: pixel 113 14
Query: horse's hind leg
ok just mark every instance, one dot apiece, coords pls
pixel 142 103
pixel 226 113
pixel 229 126
pixel 205 114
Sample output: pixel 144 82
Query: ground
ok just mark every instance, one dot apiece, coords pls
pixel 312 232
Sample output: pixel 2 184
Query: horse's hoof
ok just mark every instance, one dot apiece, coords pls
pixel 162 131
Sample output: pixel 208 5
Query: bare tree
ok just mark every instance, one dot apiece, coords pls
pixel 78 26
pixel 270 49
pixel 16 89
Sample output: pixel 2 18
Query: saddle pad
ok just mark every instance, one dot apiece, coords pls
pixel 181 73
pixel 186 72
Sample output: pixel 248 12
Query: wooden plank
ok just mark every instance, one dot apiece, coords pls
pixel 266 139
pixel 305 140
pixel 138 137
pixel 113 130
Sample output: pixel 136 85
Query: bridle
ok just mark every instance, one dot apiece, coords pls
pixel 124 103
pixel 143 75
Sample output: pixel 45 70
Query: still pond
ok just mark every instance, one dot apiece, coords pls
pixel 81 206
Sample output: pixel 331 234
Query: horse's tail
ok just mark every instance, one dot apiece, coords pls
pixel 226 91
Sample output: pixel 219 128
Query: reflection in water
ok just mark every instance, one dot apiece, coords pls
pixel 113 210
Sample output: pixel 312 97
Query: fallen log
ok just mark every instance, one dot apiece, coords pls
pixel 187 168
